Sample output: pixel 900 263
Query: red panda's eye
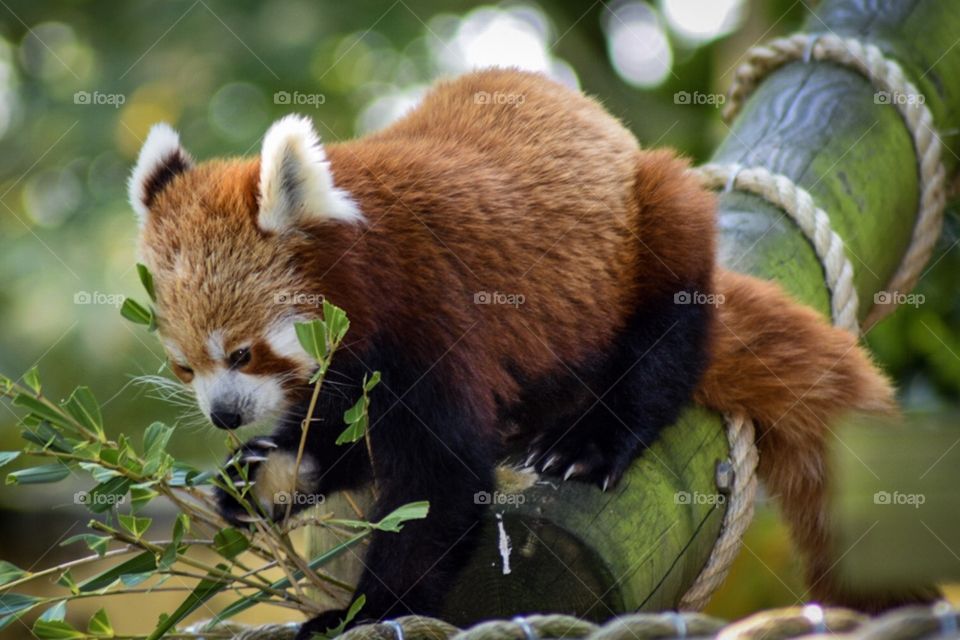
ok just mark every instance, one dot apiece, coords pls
pixel 239 358
pixel 183 372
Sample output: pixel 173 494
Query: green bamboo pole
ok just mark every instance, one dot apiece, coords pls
pixel 574 549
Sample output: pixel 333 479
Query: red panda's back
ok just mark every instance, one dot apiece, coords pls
pixel 503 183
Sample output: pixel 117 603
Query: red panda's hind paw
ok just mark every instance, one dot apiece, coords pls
pixel 583 456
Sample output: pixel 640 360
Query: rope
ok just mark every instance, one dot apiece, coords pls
pixel 780 191
pixel 739 514
pixel 887 77
pixel 906 623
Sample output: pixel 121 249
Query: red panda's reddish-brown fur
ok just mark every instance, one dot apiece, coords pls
pixel 551 199
pixel 420 266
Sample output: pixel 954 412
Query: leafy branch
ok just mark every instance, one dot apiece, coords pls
pixel 71 439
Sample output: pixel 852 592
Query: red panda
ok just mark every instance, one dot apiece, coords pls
pixel 526 278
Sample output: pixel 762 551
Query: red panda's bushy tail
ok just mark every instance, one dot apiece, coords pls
pixel 782 364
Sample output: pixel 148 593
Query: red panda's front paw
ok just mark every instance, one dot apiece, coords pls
pixel 239 505
pixel 266 482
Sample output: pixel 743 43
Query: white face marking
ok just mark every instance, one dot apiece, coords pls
pixel 283 341
pixel 175 353
pixel 215 346
pixel 253 397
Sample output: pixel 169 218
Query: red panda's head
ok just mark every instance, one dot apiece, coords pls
pixel 225 242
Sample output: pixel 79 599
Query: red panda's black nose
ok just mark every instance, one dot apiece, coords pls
pixel 225 419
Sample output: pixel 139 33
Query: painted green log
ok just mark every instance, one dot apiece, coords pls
pixel 574 549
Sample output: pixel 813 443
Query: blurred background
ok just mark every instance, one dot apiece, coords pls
pixel 82 81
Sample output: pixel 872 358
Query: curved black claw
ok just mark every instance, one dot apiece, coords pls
pixel 584 455
pixel 241 469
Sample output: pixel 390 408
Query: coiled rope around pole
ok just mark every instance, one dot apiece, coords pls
pixel 736 519
pixel 888 79
pixel 886 76
pixel 780 191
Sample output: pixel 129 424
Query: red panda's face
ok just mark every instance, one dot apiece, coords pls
pixel 219 240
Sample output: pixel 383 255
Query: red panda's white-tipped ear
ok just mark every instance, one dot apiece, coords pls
pixel 161 160
pixel 296 184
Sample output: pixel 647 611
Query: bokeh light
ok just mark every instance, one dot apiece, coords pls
pixel 700 21
pixel 8 87
pixel 638 45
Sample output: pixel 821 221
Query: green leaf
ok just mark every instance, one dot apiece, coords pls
pixel 168 557
pixel 136 526
pixel 99 625
pixel 55 630
pixel 205 589
pixel 248 601
pixel 55 613
pixel 313 338
pixel 136 313
pixel 47 437
pixel 41 409
pixel 97 544
pixel 146 279
pixel 32 379
pixel 352 612
pixel 66 580
pixel 39 475
pixel 142 563
pixel 133 579
pixel 15 602
pixel 10 572
pixel 180 526
pixel 84 408
pixel 336 321
pixel 186 476
pixel 357 416
pixel 108 494
pixel 374 380
pixel 7 457
pixel 413 511
pixel 99 472
pixel 358 424
pixel 89 450
pixel 230 543
pixel 155 439
pixel 355 413
pixel 140 496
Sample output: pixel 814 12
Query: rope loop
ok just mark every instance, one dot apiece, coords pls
pixel 780 191
pixel 892 87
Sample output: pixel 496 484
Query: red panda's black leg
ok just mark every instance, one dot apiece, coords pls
pixel 648 375
pixel 428 445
